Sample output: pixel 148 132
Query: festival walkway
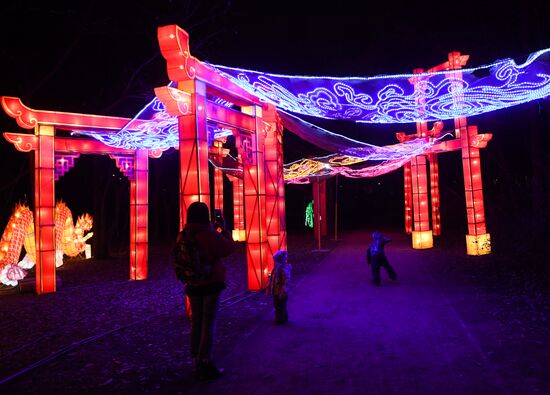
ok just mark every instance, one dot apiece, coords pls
pixel 346 336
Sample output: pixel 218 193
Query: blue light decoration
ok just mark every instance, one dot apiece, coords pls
pixel 393 98
pixel 333 142
pixel 382 99
pixel 159 131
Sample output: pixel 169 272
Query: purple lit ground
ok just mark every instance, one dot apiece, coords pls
pixel 452 324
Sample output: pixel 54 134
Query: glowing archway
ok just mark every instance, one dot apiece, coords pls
pixel 54 155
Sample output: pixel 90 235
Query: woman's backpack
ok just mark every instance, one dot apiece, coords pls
pixel 190 267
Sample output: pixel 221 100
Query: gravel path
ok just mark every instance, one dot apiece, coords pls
pixel 101 333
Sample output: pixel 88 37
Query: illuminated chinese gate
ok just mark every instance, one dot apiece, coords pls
pixel 259 143
pixel 259 186
pixel 467 140
pixel 258 190
pixel 54 156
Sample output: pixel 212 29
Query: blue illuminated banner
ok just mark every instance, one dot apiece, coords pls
pixel 398 98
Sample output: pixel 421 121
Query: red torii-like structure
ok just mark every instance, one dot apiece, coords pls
pixel 259 196
pixel 258 134
pixel 417 202
pixel 54 156
pixel 467 139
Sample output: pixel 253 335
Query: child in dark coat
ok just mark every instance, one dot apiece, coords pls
pixel 376 258
pixel 278 284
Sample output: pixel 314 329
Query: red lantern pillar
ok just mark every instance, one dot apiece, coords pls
pixel 252 146
pixel 478 241
pixel 319 209
pixel 275 220
pixel 218 177
pixel 193 147
pixel 139 216
pixel 434 192
pixel 421 235
pixel 44 197
pixel 323 204
pixel 238 209
pixel 281 188
pixel 408 197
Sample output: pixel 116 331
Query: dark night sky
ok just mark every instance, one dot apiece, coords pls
pixel 102 57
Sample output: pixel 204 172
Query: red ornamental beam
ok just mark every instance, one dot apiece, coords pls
pixel 179 102
pixel 434 132
pixel 477 141
pixel 28 118
pixel 28 142
pixel 175 101
pixel 181 66
pixel 220 114
pixel 456 62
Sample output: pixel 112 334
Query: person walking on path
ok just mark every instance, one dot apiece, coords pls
pixel 198 265
pixel 376 258
pixel 278 284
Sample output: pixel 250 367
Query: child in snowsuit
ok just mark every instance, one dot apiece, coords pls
pixel 376 258
pixel 278 284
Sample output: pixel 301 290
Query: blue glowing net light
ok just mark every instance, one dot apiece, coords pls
pixel 394 99
pixel 403 98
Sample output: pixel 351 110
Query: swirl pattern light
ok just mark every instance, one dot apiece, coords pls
pixel 301 172
pixel 383 99
pixel 159 132
pixel 394 99
pixel 393 157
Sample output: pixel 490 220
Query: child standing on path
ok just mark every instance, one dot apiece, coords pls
pixel 376 258
pixel 277 285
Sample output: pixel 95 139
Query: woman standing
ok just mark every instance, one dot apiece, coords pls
pixel 209 247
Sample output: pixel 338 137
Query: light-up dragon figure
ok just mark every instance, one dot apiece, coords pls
pixel 70 240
